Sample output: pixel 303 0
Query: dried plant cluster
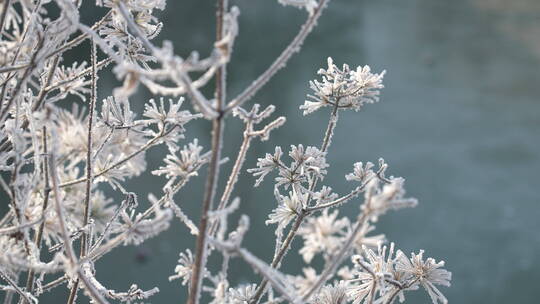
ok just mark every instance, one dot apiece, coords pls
pixel 56 162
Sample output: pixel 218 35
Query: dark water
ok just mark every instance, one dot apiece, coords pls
pixel 459 119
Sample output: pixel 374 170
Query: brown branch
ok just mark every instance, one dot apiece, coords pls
pixel 213 170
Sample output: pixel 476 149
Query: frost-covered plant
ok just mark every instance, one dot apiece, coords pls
pixel 56 161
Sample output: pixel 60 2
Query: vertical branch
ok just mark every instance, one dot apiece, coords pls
pixel 46 192
pixel 87 202
pixel 213 170
pixel 70 253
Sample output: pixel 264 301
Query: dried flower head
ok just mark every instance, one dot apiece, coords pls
pixel 344 88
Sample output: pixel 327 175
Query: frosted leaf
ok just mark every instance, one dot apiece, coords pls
pixel 70 80
pixel 242 294
pixel 184 165
pixel 304 282
pixel 184 269
pixel 117 112
pixel 309 160
pixel 370 271
pixel 378 201
pixel 311 106
pixel 159 115
pixel 288 208
pixel 266 165
pixel 324 195
pixel 323 234
pixel 332 294
pixel 363 240
pixel 428 272
pixel 361 172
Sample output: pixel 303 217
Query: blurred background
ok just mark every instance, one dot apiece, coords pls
pixel 459 119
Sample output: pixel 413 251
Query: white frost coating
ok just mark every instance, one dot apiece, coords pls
pixel 308 5
pixel 56 151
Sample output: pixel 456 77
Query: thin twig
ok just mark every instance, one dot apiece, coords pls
pixel 25 295
pixel 12 68
pixel 46 193
pixel 13 229
pixel 281 60
pixel 87 201
pixel 22 81
pixel 96 296
pixel 233 178
pixel 53 284
pixel 79 39
pixel 5 9
pixel 213 170
pixel 149 144
pixel 96 252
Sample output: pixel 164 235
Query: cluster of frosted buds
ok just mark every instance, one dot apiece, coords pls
pixel 323 233
pixel 307 164
pixel 332 294
pixel 183 166
pixel 344 88
pixel 69 81
pixel 382 278
pixel 303 282
pixel 184 268
pixel 242 294
pixel 266 165
pixel 390 197
pixel 361 172
pixel 288 207
pixel 160 115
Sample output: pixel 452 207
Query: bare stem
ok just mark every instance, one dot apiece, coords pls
pixel 233 178
pixel 46 193
pixel 87 201
pixel 213 170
